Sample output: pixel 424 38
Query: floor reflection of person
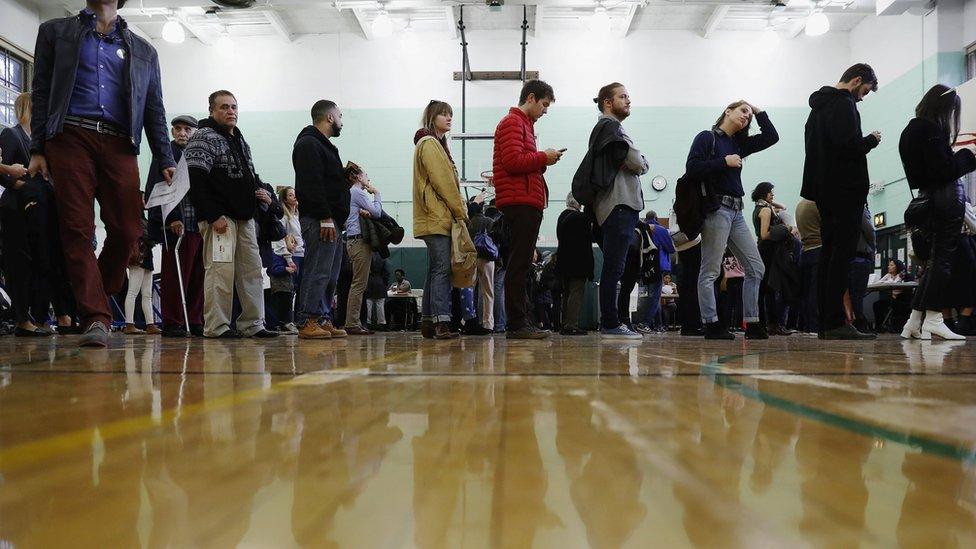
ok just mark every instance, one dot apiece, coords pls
pixel 774 436
pixel 605 480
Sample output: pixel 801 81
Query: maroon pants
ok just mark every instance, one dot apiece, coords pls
pixel 86 166
pixel 191 266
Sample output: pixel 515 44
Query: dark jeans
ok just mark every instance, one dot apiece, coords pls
pixel 87 166
pixel 808 283
pixel 524 222
pixel 732 303
pixel 618 233
pixel 840 228
pixel 281 305
pixel 688 311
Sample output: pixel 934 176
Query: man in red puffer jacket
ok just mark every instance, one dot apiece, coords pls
pixel 521 194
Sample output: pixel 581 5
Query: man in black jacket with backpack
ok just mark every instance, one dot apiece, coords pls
pixel 835 176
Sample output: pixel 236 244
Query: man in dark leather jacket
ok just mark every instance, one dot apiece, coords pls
pixel 96 87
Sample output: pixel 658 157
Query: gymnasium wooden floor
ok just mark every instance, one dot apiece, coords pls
pixel 392 441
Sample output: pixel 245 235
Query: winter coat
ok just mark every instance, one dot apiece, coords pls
pixel 436 190
pixel 575 250
pixel 518 166
pixel 379 277
pixel 928 159
pixel 380 232
pixel 835 170
pixel 320 182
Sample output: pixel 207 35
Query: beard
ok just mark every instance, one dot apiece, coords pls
pixel 336 129
pixel 620 112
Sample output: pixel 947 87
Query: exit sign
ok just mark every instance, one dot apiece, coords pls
pixel 879 220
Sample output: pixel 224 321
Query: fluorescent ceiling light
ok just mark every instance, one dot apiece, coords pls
pixel 817 24
pixel 173 32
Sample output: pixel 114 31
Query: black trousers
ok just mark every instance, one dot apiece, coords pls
pixel 523 223
pixel 840 227
pixel 935 291
pixel 690 261
pixel 33 260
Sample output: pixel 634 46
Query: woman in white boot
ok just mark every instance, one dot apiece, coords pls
pixel 934 170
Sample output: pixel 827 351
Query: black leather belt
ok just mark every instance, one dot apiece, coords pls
pixel 96 126
pixel 733 202
pixel 354 237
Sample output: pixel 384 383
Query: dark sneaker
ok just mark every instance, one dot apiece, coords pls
pixel 756 330
pixel 692 332
pixel 196 330
pixel 427 329
pixel 573 332
pixel 715 330
pixel 95 336
pixel 847 332
pixel 264 334
pixel 527 333
pixel 620 332
pixel 230 334
pixel 475 329
pixel 174 331
pixel 36 332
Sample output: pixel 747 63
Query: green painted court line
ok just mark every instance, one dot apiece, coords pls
pixel 923 443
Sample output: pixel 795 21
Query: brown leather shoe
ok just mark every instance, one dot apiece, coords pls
pixel 358 331
pixel 442 330
pixel 328 326
pixel 130 329
pixel 312 330
pixel 152 329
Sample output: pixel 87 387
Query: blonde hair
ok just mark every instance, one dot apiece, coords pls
pixel 290 240
pixel 22 107
pixel 434 109
pixel 282 197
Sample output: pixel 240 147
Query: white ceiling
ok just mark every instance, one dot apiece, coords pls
pixel 293 18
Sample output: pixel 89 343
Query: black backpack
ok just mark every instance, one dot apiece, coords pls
pixel 693 200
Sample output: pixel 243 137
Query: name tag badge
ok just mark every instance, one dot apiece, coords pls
pixel 121 53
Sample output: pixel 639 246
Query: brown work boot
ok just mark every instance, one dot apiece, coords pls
pixel 152 329
pixel 328 326
pixel 130 329
pixel 312 330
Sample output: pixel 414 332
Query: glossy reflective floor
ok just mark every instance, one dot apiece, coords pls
pixel 393 441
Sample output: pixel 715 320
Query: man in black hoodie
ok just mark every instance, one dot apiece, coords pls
pixel 835 176
pixel 322 191
pixel 225 194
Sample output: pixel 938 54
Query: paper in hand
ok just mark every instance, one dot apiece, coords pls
pixel 169 196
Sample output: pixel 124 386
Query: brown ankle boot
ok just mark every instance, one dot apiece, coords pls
pixel 442 330
pixel 312 330
pixel 328 326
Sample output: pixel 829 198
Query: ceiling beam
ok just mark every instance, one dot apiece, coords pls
pixel 451 21
pixel 279 25
pixel 363 24
pixel 627 21
pixel 714 20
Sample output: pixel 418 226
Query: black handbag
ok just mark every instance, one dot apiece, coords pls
pixel 918 212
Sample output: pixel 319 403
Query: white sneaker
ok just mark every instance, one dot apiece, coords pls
pixel 935 325
pixel 290 329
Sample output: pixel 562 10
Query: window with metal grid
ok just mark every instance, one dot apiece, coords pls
pixel 13 82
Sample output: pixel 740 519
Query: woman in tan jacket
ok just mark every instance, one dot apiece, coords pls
pixel 436 203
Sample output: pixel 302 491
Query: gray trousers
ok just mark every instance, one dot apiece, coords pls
pixel 220 279
pixel 573 291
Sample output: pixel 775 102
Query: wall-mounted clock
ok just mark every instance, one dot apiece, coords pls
pixel 659 183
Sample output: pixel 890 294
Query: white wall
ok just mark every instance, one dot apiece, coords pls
pixel 671 68
pixel 19 23
pixel 892 44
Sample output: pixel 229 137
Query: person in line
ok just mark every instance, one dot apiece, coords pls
pixel 689 265
pixel 771 232
pixel 808 225
pixel 141 271
pixel 665 247
pixel 33 261
pixel 379 279
pixel 574 263
pixel 835 177
pixel 935 170
pixel 293 227
pixel 669 307
pixel 322 190
pixel 360 252
pixel 617 211
pixel 96 87
pixel 482 224
pixel 283 271
pixel 885 312
pixel 226 194
pixel 437 202
pixel 521 194
pixel 401 310
pixel 181 221
pixel 500 234
pixel 718 155
pixel 861 268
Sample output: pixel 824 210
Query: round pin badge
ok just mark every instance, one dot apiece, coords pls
pixel 121 53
